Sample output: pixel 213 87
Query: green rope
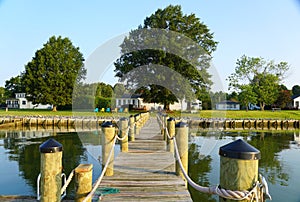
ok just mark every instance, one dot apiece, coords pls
pixel 102 191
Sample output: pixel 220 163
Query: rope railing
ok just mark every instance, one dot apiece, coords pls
pixel 224 193
pixel 63 189
pixel 97 183
pixel 95 186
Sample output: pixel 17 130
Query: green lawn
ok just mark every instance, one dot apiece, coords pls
pixel 242 114
pixel 58 113
pixel 202 114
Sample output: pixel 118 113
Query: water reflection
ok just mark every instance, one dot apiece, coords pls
pixel 278 150
pixel 25 151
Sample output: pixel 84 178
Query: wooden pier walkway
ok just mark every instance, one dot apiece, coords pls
pixel 147 171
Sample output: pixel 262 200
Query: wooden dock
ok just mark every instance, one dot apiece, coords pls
pixel 147 171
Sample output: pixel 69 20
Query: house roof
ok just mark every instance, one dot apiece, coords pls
pixel 228 102
pixel 131 96
pixel 295 96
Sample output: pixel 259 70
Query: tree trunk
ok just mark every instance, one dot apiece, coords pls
pixel 262 106
pixel 166 106
pixel 54 108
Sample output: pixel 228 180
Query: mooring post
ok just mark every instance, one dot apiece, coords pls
pixel 107 142
pixel 166 117
pixel 51 169
pixel 123 133
pixel 137 124
pixel 238 167
pixel 171 131
pixel 131 129
pixel 181 135
pixel 83 181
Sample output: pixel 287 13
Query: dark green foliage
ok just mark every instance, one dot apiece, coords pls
pixel 102 102
pixel 13 86
pixel 296 90
pixel 167 57
pixel 2 96
pixel 50 76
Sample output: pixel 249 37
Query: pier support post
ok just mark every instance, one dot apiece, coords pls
pixel 137 124
pixel 124 126
pixel 171 130
pixel 181 135
pixel 51 169
pixel 238 167
pixel 83 181
pixel 107 143
pixel 131 129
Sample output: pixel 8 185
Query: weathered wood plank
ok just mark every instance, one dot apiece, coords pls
pixel 147 171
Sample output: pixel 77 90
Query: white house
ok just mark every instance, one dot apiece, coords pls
pixel 296 101
pixel 20 102
pixel 227 105
pixel 136 101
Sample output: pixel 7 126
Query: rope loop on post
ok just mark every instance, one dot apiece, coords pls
pixel 95 186
pixel 224 193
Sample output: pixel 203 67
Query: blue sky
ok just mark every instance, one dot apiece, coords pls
pixel 269 29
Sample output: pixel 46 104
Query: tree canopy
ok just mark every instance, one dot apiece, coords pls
pixel 51 74
pixel 13 86
pixel 162 58
pixel 296 90
pixel 257 79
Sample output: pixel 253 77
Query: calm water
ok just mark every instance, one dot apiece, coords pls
pixel 280 162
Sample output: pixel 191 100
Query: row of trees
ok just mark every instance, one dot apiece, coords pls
pixel 165 59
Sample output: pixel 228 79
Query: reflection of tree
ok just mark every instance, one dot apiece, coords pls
pixel 28 155
pixel 270 144
pixel 198 170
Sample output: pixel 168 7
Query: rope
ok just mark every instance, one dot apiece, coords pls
pixel 228 194
pixel 103 172
pixel 63 189
pixel 125 136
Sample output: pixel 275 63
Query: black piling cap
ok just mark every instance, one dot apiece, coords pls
pixel 51 146
pixel 181 125
pixel 107 124
pixel 171 119
pixel 239 149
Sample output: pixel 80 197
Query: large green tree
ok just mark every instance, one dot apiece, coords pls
pixel 13 86
pixel 2 96
pixel 169 33
pixel 296 90
pixel 263 76
pixel 50 76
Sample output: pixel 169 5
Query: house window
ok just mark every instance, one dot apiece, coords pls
pixel 24 102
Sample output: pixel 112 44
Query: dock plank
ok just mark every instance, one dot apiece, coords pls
pixel 147 171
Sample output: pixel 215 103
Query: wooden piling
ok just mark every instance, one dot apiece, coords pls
pixel 181 135
pixel 51 169
pixel 238 167
pixel 131 129
pixel 123 134
pixel 171 131
pixel 107 142
pixel 83 181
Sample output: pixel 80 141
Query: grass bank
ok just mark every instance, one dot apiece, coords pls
pixel 202 114
pixel 241 114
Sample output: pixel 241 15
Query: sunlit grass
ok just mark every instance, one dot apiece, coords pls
pixel 242 114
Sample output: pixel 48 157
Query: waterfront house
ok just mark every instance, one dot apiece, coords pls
pixel 228 105
pixel 135 101
pixel 20 102
pixel 296 101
